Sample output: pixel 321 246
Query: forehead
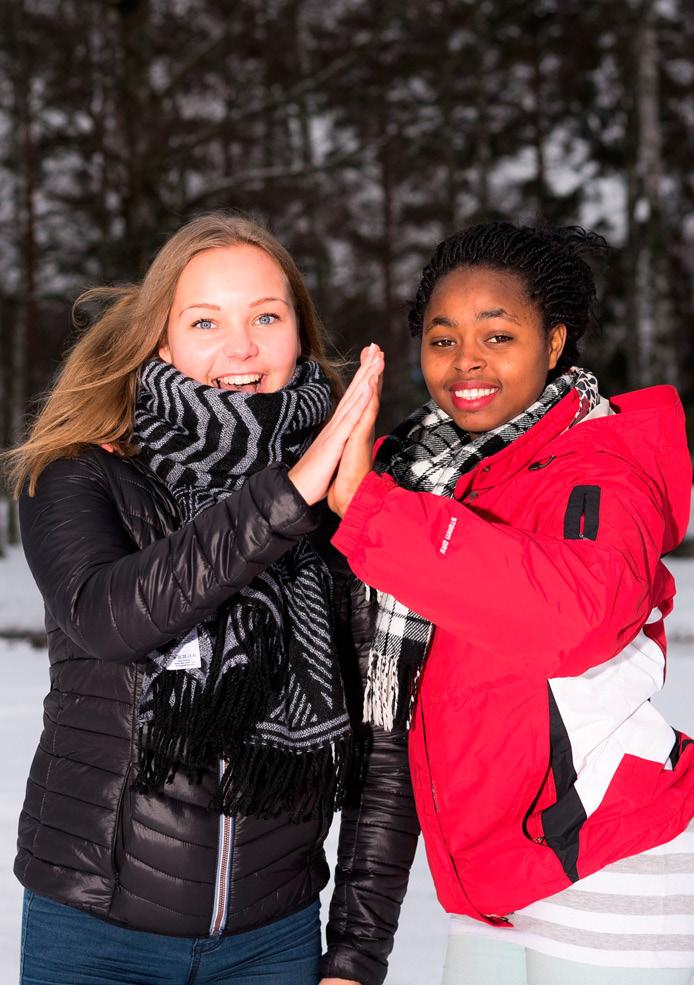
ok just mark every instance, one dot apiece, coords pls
pixel 240 269
pixel 481 288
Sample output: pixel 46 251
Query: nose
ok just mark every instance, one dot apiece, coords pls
pixel 238 343
pixel 469 358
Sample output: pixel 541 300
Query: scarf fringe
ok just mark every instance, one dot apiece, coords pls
pixel 267 781
pixel 261 780
pixel 388 678
pixel 189 726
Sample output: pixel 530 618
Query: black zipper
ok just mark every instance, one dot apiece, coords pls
pixel 117 828
pixel 117 831
pixel 540 839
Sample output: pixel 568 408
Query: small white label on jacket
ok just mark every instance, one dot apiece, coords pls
pixel 449 533
pixel 187 654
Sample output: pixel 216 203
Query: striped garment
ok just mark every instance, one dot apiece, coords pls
pixel 260 685
pixel 635 913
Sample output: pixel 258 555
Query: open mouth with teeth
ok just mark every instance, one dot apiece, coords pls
pixel 239 382
pixel 475 394
pixel 467 396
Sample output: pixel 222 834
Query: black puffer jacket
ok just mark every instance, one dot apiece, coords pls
pixel 119 578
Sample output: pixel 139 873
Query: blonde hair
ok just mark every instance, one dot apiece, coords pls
pixel 93 399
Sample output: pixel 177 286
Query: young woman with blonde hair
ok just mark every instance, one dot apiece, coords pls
pixel 204 641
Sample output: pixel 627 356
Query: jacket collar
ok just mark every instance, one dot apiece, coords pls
pixel 529 448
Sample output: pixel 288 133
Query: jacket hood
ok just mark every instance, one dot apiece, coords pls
pixel 651 424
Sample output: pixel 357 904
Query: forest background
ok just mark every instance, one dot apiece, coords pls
pixel 363 132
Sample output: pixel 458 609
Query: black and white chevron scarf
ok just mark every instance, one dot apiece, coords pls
pixel 428 452
pixel 268 698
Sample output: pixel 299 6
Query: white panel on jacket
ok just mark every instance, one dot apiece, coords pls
pixel 607 713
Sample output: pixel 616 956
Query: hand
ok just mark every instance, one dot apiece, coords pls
pixel 314 471
pixel 358 454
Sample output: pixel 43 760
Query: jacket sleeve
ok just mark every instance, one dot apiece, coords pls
pixel 118 603
pixel 554 606
pixel 378 829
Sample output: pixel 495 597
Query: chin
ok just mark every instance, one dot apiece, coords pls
pixel 472 423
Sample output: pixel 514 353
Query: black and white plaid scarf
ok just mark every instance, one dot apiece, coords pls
pixel 268 698
pixel 428 452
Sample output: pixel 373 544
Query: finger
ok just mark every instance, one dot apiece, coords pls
pixel 333 444
pixel 358 378
pixel 369 358
pixel 373 362
pixel 351 394
pixel 353 412
pixel 361 435
pixel 362 429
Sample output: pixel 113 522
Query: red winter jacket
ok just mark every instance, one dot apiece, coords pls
pixel 536 755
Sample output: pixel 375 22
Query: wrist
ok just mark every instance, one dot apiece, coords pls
pixel 302 485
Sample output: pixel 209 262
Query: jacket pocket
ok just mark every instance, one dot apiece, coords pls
pixel 556 814
pixel 545 796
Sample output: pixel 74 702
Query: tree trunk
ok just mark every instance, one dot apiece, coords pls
pixel 24 205
pixel 539 127
pixel 392 329
pixel 482 143
pixel 136 121
pixel 657 355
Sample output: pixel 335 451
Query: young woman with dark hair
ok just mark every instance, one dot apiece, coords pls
pixel 513 528
pixel 204 640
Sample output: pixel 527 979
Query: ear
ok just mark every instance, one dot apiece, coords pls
pixel 165 352
pixel 556 342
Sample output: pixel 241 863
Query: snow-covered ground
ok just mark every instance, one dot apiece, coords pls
pixel 420 942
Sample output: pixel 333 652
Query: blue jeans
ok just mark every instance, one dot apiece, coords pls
pixel 62 945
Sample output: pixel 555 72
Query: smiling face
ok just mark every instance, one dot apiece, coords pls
pixel 485 354
pixel 232 323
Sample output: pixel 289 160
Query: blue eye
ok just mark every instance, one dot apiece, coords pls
pixel 267 318
pixel 203 323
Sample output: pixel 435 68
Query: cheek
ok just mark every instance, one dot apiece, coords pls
pixel 425 364
pixel 527 378
pixel 282 354
pixel 191 354
pixel 288 346
pixel 433 368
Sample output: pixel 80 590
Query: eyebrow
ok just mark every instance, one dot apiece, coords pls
pixel 496 313
pixel 200 304
pixel 216 307
pixel 480 316
pixel 254 304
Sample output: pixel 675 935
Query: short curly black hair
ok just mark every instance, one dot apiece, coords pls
pixel 549 261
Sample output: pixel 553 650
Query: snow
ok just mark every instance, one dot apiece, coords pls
pixel 421 939
pixel 21 606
